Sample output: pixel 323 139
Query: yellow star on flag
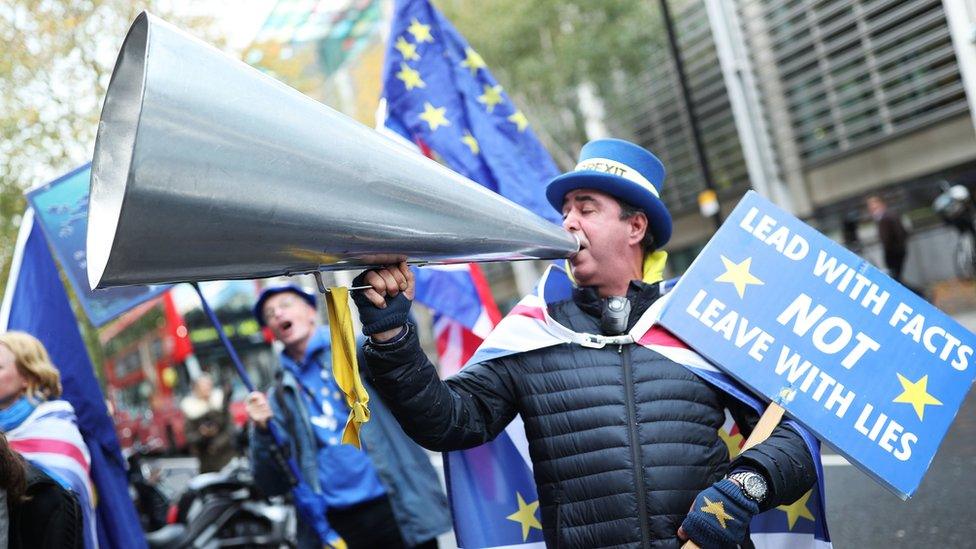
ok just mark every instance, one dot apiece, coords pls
pixel 798 509
pixel 916 394
pixel 520 121
pixel 411 78
pixel 473 61
pixel 717 508
pixel 491 97
pixel 434 116
pixel 406 49
pixel 734 442
pixel 738 274
pixel 525 516
pixel 420 32
pixel 471 142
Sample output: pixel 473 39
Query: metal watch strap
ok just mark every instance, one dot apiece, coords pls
pixel 744 479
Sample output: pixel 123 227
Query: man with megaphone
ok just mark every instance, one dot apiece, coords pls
pixel 624 440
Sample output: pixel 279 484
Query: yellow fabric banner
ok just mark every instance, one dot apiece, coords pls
pixel 345 368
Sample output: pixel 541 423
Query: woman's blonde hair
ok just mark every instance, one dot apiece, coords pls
pixel 34 364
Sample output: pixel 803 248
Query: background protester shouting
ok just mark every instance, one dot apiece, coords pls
pixel 385 495
pixel 624 440
pixel 43 429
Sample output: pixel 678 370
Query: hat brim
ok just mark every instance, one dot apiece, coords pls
pixel 658 216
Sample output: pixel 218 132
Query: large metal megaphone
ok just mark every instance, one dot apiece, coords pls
pixel 207 169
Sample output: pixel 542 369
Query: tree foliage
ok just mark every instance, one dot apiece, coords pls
pixel 57 57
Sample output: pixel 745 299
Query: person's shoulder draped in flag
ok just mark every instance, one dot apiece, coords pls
pixel 623 431
pixel 41 427
pixel 35 302
pixel 386 494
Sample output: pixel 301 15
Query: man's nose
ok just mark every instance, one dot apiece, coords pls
pixel 570 223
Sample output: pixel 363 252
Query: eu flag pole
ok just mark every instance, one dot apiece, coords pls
pixel 35 302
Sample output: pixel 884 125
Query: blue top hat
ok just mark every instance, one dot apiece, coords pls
pixel 271 291
pixel 623 170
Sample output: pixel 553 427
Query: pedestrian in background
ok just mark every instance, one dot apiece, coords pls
pixel 891 233
pixel 385 495
pixel 42 428
pixel 208 426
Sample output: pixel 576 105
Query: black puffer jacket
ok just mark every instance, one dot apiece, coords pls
pixel 622 439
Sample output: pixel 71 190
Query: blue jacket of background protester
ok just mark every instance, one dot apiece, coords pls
pixel 411 483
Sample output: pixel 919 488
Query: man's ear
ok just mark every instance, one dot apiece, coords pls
pixel 638 227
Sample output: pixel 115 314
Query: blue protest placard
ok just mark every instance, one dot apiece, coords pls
pixel 61 207
pixel 871 368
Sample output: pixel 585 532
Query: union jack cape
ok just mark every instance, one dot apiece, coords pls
pixel 49 438
pixel 480 480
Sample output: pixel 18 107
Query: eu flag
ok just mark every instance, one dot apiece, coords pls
pixel 440 95
pixel 439 92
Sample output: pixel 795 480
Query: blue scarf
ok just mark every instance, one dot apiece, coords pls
pixel 16 413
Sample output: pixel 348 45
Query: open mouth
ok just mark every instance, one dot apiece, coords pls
pixel 285 325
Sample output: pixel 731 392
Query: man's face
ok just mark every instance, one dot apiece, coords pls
pixel 606 254
pixel 290 318
pixel 203 387
pixel 876 207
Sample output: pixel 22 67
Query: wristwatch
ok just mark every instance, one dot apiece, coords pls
pixel 753 485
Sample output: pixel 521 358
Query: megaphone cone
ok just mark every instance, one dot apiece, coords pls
pixel 208 169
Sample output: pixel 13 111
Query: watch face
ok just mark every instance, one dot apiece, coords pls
pixel 755 486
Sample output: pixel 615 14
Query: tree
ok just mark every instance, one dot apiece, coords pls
pixel 56 62
pixel 57 57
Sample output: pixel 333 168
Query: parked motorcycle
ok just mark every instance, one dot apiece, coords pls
pixel 150 501
pixel 226 509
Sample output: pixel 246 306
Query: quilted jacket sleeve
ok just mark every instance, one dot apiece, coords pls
pixel 462 412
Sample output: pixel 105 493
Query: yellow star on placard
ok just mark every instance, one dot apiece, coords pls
pixel 473 61
pixel 798 509
pixel 471 142
pixel 434 116
pixel 411 78
pixel 738 274
pixel 520 121
pixel 420 32
pixel 717 508
pixel 916 394
pixel 525 516
pixel 491 97
pixel 406 49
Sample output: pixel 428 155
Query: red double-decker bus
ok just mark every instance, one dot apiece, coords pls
pixel 145 379
pixel 152 351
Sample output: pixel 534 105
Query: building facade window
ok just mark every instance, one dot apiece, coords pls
pixel 856 72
